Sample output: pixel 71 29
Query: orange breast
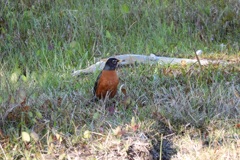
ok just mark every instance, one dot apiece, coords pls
pixel 107 83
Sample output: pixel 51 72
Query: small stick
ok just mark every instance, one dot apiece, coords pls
pixel 160 147
pixel 198 52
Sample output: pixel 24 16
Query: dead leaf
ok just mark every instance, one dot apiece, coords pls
pixel 1 134
pixel 238 125
pixel 160 117
pixel 123 90
pixel 135 127
pixel 21 96
pixel 127 101
pixel 26 137
pixel 47 105
pixel 133 121
pixel 183 63
pixel 59 137
pixel 34 136
pixel 236 92
pixel 15 113
pixel 59 101
pixel 87 134
pixel 23 102
pixel 4 139
pixel 62 156
pixel 117 131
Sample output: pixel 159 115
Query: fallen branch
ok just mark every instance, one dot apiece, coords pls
pixel 128 59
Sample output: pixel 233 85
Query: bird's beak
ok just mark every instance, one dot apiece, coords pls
pixel 119 61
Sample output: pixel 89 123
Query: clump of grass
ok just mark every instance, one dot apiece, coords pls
pixel 48 34
pixel 171 99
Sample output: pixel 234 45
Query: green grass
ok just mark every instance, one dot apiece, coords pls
pixel 197 110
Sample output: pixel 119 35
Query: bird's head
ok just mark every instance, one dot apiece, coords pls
pixel 111 64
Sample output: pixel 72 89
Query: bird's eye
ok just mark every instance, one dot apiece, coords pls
pixel 114 61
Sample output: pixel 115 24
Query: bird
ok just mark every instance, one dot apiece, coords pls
pixel 107 81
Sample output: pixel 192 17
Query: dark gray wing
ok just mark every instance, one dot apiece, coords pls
pixel 96 83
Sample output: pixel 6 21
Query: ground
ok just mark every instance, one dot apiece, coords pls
pixel 168 111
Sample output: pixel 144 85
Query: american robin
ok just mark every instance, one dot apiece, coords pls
pixel 107 81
